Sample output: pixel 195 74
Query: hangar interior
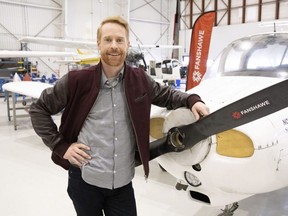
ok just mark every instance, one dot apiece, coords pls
pixel 31 184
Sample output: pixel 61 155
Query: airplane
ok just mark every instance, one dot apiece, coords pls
pixel 168 69
pixel 77 58
pixel 88 44
pixel 166 72
pixel 31 89
pixel 218 162
pixel 240 149
pixel 82 58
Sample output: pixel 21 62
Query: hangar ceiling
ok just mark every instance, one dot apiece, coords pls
pixel 230 12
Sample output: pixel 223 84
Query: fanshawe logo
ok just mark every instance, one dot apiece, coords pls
pixel 239 114
pixel 236 115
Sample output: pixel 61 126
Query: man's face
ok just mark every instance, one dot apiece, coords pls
pixel 113 44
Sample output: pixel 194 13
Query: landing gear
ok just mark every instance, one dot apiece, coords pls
pixel 229 209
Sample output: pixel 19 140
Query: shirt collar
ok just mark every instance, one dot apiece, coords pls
pixel 111 82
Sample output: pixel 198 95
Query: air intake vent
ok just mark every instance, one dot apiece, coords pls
pixel 200 197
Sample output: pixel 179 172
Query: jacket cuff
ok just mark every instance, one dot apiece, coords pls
pixel 61 148
pixel 192 99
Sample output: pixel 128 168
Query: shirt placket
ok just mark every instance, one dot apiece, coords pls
pixel 115 137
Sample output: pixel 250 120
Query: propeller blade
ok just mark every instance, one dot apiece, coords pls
pixel 245 110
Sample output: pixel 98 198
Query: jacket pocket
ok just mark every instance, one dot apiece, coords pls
pixel 140 98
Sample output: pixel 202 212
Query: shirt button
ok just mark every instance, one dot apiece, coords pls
pixel 116 122
pixel 114 105
pixel 114 171
pixel 115 155
pixel 116 138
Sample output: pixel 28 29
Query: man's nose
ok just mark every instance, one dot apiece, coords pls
pixel 113 43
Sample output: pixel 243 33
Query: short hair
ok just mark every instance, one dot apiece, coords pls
pixel 113 19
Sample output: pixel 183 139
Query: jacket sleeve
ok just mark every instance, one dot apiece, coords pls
pixel 165 96
pixel 51 102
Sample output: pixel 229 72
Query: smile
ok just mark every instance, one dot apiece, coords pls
pixel 114 54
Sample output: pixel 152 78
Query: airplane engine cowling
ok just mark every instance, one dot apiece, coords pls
pixel 163 120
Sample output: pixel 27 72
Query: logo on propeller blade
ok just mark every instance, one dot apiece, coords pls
pixel 252 108
pixel 236 115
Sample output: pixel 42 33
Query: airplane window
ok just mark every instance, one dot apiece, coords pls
pixel 233 60
pixel 258 55
pixel 270 57
pixel 175 64
pixel 158 65
pixel 285 57
pixel 214 69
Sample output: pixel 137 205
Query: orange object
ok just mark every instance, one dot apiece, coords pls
pixel 199 48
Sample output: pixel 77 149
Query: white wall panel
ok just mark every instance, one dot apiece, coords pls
pixel 150 23
pixel 153 24
pixel 83 17
pixel 26 18
pixel 31 18
pixel 12 22
pixel 44 23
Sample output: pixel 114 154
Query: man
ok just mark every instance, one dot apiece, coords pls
pixel 105 124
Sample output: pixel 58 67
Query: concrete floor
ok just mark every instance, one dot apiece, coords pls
pixel 31 185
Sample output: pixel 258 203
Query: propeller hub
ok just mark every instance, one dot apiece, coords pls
pixel 176 139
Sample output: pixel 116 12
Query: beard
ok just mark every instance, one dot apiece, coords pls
pixel 113 58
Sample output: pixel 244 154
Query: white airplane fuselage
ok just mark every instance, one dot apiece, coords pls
pixel 227 179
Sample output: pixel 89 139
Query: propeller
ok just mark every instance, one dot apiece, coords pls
pixel 245 110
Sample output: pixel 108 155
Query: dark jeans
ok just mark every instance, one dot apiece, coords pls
pixel 90 200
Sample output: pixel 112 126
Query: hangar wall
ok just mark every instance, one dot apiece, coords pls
pixel 223 35
pixel 31 18
pixel 151 22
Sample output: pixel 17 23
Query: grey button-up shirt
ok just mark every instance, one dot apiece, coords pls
pixel 107 130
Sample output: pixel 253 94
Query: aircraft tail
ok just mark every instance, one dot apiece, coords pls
pixel 80 52
pixel 199 48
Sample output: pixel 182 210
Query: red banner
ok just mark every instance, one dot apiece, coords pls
pixel 199 48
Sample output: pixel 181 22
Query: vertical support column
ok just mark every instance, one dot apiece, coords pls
pixel 14 110
pixel 175 52
pixel 243 11
pixel 191 14
pixel 277 9
pixel 229 13
pixel 8 105
pixel 216 11
pixel 259 10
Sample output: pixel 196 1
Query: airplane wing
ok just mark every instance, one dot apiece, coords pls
pixel 78 58
pixel 245 110
pixel 22 54
pixel 68 61
pixel 83 61
pixel 29 88
pixel 85 44
pixel 60 42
